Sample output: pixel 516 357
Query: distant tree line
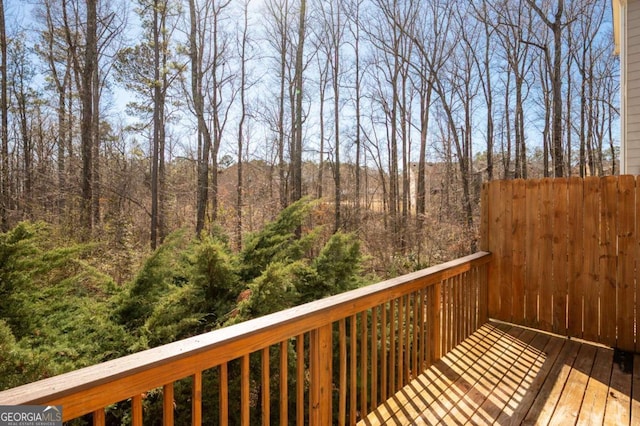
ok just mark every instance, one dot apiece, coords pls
pixel 482 89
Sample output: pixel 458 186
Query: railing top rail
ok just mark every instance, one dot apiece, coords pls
pixel 139 372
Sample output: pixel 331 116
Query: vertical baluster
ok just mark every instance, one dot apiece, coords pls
pixel 457 282
pixel 407 340
pixel 266 391
pixel 384 382
pixel 245 412
pixel 196 399
pixel 374 358
pixel 415 341
pixel 353 369
pixel 428 326
pixel 136 410
pixel 320 368
pixel 392 347
pixel 98 417
pixel 421 319
pixel 167 404
pixel 449 317
pixel 363 363
pixel 342 389
pixel 284 383
pixel 300 380
pixel 224 394
pixel 400 363
pixel 436 323
pixel 245 408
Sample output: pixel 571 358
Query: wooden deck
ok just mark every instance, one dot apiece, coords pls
pixel 505 374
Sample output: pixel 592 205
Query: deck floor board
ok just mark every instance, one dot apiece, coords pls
pixel 508 375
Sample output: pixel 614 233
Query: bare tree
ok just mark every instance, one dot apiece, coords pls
pixel 296 151
pixel 58 59
pixel 390 65
pixel 556 26
pixel 196 50
pixel 434 39
pixel 484 62
pixel 353 15
pixel 278 28
pixel 244 41
pixel 4 125
pixel 511 29
pixel 86 125
pixel 333 26
pixel 149 70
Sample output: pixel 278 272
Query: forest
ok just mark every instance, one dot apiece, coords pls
pixel 168 167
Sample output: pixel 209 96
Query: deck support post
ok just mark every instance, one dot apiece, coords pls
pixel 320 360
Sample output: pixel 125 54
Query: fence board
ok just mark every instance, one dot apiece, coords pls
pixel 591 258
pixel 545 282
pixel 636 252
pixel 565 255
pixel 484 217
pixel 532 258
pixel 626 275
pixel 608 248
pixel 495 213
pixel 506 292
pixel 518 224
pixel 559 260
pixel 575 266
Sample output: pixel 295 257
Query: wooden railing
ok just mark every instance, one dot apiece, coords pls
pixel 565 256
pixel 329 361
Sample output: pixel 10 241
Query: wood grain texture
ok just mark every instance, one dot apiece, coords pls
pixel 545 282
pixel 532 221
pixel 266 388
pixel 196 399
pixel 167 404
pixel 591 266
pixel 136 410
pixel 518 260
pixel 559 283
pixel 507 375
pixel 626 273
pixel 575 261
pixel 608 259
pixel 284 383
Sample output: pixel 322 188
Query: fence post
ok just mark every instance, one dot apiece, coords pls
pixel 320 363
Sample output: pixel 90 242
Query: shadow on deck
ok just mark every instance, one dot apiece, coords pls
pixel 505 374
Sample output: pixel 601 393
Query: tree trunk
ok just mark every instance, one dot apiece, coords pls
pixel 4 126
pixel 243 115
pixel 157 100
pixel 336 116
pixel 86 125
pixel 95 154
pixel 299 66
pixel 204 135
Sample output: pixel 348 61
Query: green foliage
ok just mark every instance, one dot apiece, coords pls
pixel 164 269
pixel 274 290
pixel 277 242
pixel 338 268
pixel 192 301
pixel 55 307
pixel 18 364
pixel 59 313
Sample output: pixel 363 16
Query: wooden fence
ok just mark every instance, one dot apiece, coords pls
pixel 326 362
pixel 564 255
